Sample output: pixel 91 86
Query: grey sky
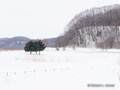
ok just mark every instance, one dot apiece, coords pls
pixel 41 18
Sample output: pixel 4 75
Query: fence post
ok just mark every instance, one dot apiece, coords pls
pixel 7 73
pixel 14 73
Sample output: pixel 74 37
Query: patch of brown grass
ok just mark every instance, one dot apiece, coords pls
pixel 10 49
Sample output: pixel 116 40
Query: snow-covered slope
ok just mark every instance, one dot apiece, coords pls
pixel 60 70
pixel 14 43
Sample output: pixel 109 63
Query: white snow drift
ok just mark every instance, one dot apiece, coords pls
pixel 60 70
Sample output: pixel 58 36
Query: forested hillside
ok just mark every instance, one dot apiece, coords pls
pixel 96 27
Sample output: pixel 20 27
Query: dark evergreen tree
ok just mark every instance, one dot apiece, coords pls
pixel 29 47
pixel 40 46
pixel 34 46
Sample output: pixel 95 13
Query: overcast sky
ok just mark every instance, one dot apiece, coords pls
pixel 41 19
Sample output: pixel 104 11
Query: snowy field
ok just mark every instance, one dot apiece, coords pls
pixel 83 69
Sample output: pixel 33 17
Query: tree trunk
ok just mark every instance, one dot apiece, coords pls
pixel 39 52
pixel 74 47
pixel 63 48
pixel 57 48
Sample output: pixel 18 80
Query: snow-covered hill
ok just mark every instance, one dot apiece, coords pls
pixel 98 27
pixel 20 41
pixel 14 43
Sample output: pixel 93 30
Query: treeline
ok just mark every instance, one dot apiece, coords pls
pixel 34 46
pixel 98 27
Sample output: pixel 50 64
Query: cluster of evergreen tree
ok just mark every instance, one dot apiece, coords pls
pixel 34 46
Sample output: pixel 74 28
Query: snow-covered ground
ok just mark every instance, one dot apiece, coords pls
pixel 60 70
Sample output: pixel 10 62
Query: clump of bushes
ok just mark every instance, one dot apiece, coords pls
pixel 34 46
